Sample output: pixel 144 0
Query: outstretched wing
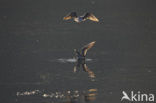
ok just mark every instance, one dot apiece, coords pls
pixel 70 15
pixel 90 16
pixel 87 47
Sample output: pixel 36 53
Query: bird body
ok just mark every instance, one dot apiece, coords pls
pixel 78 19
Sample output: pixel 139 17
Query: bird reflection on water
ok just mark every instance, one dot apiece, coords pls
pixel 85 68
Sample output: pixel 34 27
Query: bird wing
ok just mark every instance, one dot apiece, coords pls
pixel 70 15
pixel 90 16
pixel 87 47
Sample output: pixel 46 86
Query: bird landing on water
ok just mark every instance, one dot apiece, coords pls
pixel 81 55
pixel 84 17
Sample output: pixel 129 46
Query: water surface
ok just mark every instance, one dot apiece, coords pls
pixel 36 51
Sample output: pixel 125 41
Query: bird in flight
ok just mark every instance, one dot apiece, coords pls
pixel 73 15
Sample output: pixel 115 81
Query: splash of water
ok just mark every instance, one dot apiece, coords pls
pixel 70 60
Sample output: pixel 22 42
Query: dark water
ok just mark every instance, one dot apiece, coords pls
pixel 36 51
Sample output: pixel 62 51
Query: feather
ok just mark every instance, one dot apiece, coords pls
pixel 70 15
pixel 90 16
pixel 87 47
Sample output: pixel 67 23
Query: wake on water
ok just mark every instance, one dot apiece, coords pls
pixel 69 60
